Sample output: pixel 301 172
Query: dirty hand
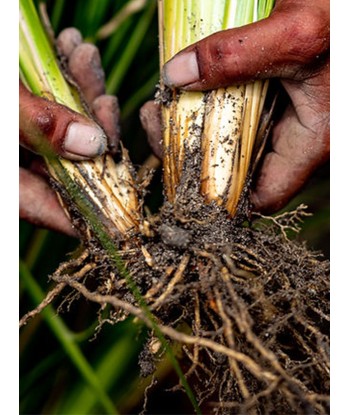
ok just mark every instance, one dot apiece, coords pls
pixel 292 45
pixel 46 128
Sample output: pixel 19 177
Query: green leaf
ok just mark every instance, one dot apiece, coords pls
pixel 66 339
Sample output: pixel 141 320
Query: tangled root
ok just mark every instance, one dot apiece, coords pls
pixel 252 306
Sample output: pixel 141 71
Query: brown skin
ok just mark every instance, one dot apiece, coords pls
pixel 107 112
pixel 151 120
pixel 43 126
pixel 39 204
pixel 292 45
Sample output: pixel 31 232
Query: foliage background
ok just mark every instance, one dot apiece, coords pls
pixel 64 367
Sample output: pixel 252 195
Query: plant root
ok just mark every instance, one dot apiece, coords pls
pixel 249 306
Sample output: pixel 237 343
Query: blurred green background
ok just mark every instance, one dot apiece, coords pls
pixel 64 368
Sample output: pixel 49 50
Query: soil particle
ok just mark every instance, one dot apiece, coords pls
pixel 261 299
pixel 175 236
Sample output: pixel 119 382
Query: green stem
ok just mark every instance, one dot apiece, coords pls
pixel 140 96
pixel 116 77
pixel 57 12
pixel 112 368
pixel 66 339
pixel 38 241
pixel 140 300
pixel 118 38
pixel 38 65
pixel 109 246
pixel 36 53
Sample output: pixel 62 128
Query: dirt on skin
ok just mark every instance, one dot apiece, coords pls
pixel 247 302
pixel 249 305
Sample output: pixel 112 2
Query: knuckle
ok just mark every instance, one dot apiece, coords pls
pixel 45 121
pixel 222 60
pixel 308 34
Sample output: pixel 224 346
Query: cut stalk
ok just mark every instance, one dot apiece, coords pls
pixel 103 190
pixel 223 123
pixel 104 193
pixel 193 267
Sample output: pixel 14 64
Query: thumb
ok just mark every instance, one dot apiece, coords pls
pixel 48 128
pixel 295 34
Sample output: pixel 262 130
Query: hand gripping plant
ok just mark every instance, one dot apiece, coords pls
pixel 248 305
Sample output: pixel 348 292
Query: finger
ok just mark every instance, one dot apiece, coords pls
pixel 151 120
pixel 300 143
pixel 48 128
pixel 105 107
pixel 296 33
pixel 297 152
pixel 39 205
pixel 68 40
pixel 107 112
pixel 85 66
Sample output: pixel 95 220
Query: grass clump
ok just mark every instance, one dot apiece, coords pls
pixel 247 303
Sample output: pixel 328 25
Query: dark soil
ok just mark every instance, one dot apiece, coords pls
pixel 256 302
pixel 247 301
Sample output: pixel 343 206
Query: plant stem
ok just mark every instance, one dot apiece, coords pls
pixel 38 241
pixel 217 129
pixel 123 214
pixel 65 337
pixel 84 182
pixel 116 77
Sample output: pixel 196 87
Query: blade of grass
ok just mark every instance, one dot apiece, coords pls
pixel 133 6
pixel 38 240
pixel 140 96
pixel 116 77
pixel 96 12
pixel 113 367
pixel 56 13
pixel 39 68
pixel 35 246
pixel 44 56
pixel 66 339
pixel 89 15
pixel 114 42
pixel 43 367
pixel 108 244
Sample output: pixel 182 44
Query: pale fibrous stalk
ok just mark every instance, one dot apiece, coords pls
pixel 103 189
pixel 220 125
pixel 247 303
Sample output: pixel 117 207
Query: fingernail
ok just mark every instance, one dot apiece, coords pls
pixel 181 70
pixel 85 140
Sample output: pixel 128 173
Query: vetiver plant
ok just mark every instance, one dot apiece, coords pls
pixel 248 306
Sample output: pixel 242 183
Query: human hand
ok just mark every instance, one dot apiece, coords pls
pixel 293 46
pixel 46 127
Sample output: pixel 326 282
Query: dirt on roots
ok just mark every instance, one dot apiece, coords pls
pixel 249 305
